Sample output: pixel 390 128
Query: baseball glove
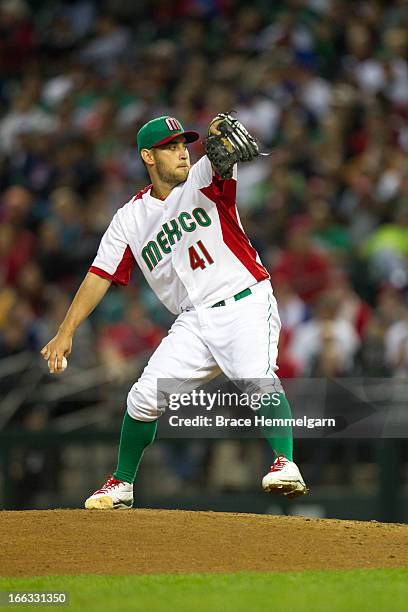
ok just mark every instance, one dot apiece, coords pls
pixel 234 144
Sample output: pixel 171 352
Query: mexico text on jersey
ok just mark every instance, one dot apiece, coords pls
pixel 191 247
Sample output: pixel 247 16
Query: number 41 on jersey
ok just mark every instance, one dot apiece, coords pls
pixel 199 259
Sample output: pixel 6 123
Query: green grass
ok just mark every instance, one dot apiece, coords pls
pixel 381 590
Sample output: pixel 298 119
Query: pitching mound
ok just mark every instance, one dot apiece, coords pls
pixel 169 541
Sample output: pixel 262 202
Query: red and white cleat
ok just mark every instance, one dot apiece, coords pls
pixel 284 478
pixel 114 494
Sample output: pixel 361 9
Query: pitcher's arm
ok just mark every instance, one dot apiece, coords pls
pixel 88 296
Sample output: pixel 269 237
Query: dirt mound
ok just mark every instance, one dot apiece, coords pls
pixel 170 541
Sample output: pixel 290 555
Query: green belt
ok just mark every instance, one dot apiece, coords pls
pixel 237 296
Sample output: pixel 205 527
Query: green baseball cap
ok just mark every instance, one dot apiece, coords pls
pixel 161 130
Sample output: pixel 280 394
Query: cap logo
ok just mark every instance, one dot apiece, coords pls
pixel 173 124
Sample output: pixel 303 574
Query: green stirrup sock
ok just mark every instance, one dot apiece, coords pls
pixel 279 437
pixel 134 438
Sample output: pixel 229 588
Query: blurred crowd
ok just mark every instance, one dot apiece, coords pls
pixel 322 84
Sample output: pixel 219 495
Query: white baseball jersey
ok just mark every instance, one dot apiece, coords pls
pixel 191 247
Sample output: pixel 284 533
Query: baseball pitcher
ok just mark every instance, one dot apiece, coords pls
pixel 184 232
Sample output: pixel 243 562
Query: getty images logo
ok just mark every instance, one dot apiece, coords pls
pixel 173 124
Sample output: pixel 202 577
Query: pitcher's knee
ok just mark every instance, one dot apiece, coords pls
pixel 143 406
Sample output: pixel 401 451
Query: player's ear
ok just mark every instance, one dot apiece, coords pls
pixel 147 156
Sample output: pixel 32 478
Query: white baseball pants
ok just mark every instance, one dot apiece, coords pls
pixel 239 339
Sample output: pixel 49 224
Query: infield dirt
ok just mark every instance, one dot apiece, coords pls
pixel 63 542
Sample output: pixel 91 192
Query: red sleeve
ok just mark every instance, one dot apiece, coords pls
pixel 122 274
